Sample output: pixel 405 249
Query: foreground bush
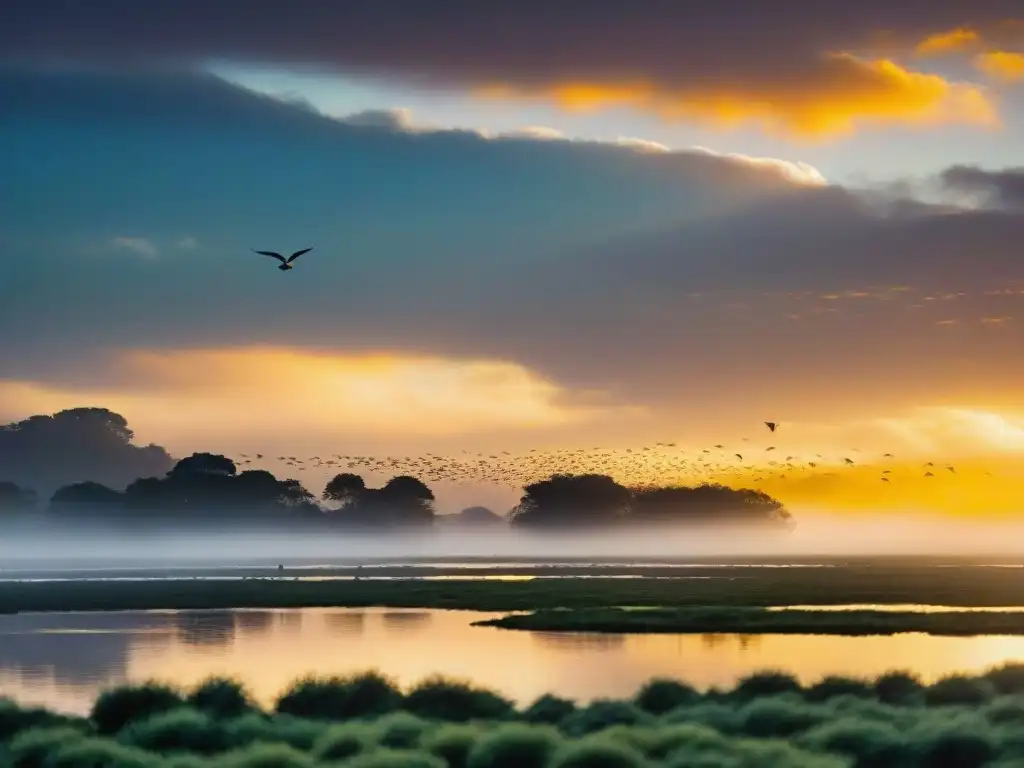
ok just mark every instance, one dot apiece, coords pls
pixel 340 698
pixel 221 697
pixel 115 708
pixel 765 720
pixel 454 700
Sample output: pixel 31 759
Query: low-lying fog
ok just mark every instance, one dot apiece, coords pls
pixel 815 535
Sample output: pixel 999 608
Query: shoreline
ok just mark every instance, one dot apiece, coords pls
pixel 733 594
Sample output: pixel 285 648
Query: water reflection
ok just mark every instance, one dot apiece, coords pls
pixel 574 642
pixel 406 621
pixel 63 660
pixel 204 628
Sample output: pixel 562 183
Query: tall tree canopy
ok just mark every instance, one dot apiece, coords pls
pixel 402 501
pixel 76 445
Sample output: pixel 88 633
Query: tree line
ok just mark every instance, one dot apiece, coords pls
pixel 209 489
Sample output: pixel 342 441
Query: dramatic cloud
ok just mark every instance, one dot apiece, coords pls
pixel 840 94
pixel 808 69
pixel 1007 66
pixel 192 396
pixel 953 40
pixel 712 291
pixel 999 189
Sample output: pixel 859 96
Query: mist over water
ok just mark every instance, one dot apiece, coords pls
pixel 45 544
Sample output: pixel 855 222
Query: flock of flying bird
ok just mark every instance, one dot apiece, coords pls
pixel 662 463
pixel 639 465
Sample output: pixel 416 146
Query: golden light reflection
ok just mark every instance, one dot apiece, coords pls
pixel 845 93
pixel 522 665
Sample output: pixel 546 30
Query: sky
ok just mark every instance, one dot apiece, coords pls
pixel 535 226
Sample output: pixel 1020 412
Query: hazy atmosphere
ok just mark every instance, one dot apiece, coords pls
pixel 511 384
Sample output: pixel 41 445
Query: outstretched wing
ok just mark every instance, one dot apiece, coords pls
pixel 296 255
pixel 277 256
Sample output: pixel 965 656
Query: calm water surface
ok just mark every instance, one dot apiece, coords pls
pixel 63 659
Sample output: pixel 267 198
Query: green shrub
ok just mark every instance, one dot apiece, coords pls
pixel 1006 710
pixel 958 689
pixel 779 717
pixel 279 729
pixel 769 683
pixel 548 710
pixel 597 752
pixel 684 739
pixel 661 695
pixel 32 748
pixel 394 758
pixel 514 745
pixel 340 698
pixel 713 714
pixel 1007 678
pixel 177 730
pixel 604 713
pixel 266 756
pixel 220 697
pixel 452 743
pixel 899 688
pixel 869 744
pixel 339 742
pixel 833 686
pixel 14 719
pixel 401 730
pixel 442 699
pixel 116 708
pixel 97 752
pixel 953 745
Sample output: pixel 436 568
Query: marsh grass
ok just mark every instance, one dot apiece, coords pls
pixel 766 719
pixel 729 586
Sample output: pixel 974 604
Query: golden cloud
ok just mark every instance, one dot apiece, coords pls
pixel 200 395
pixel 845 93
pixel 950 41
pixel 1006 66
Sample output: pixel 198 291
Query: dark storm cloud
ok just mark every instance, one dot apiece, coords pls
pixel 519 39
pixel 601 266
pixel 1000 188
pixel 772 62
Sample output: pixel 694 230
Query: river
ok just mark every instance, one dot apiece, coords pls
pixel 62 660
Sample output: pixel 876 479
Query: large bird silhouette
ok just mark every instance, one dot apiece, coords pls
pixel 286 264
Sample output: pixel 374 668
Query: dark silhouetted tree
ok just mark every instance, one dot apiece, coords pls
pixel 207 488
pixel 402 501
pixel 477 516
pixel 707 504
pixel 85 497
pixel 572 500
pixel 597 500
pixel 204 464
pixel 95 444
pixel 344 488
pixel 14 498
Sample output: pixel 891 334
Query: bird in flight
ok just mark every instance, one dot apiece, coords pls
pixel 286 264
pixel 771 425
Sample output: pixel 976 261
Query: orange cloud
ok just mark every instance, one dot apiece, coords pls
pixel 203 395
pixel 950 41
pixel 1006 66
pixel 845 93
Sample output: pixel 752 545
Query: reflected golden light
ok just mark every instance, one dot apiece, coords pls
pixel 518 664
pixel 845 93
pixel 1006 66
